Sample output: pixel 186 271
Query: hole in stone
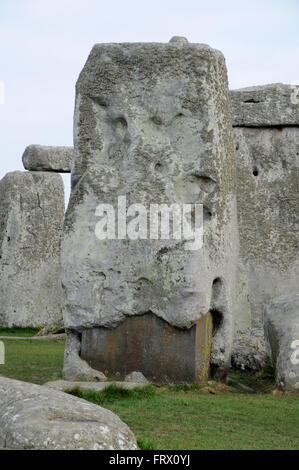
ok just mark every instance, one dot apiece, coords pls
pixel 217 319
pixel 207 214
pixel 252 100
pixel 121 125
pixel 159 167
pixel 216 282
pixel 156 120
pixel 255 171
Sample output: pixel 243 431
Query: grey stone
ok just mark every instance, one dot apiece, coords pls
pixel 267 198
pixel 45 158
pixel 31 220
pixel 74 368
pixel 152 122
pixel 136 377
pixel 268 105
pixel 245 358
pixel 65 385
pixel 282 336
pixel 38 418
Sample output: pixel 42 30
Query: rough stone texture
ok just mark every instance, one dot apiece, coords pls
pixel 152 122
pixel 31 220
pixel 136 377
pixel 282 336
pixel 74 368
pixel 245 358
pixel 37 418
pixel 267 196
pixel 64 385
pixel 268 105
pixel 43 158
pixel 163 353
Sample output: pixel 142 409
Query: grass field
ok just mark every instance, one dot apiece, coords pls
pixel 34 361
pixel 213 416
pixel 17 331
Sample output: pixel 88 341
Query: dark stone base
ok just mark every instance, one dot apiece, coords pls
pixel 148 344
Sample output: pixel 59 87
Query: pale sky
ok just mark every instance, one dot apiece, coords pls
pixel 45 43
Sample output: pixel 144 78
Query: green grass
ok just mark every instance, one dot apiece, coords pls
pixel 35 361
pixel 113 393
pixel 211 416
pixel 17 331
pixel 173 419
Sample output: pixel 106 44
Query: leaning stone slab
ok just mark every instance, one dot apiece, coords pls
pixel 152 123
pixel 282 336
pixel 38 418
pixel 269 105
pixel 43 158
pixel 31 220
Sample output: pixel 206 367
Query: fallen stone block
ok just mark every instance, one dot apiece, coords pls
pixel 38 418
pixel 282 337
pixel 46 158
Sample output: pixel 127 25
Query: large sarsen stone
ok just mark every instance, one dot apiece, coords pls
pixel 31 220
pixel 39 418
pixel 152 124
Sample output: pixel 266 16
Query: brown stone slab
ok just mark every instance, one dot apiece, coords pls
pixel 146 343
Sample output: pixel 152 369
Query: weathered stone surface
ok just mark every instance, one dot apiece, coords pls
pixel 269 105
pixel 267 195
pixel 74 368
pixel 64 385
pixel 43 158
pixel 152 122
pixel 38 418
pixel 31 220
pixel 282 336
pixel 163 353
pixel 136 377
pixel 245 358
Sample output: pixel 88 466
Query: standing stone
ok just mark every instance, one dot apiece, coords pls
pixel 42 158
pixel 31 220
pixel 267 198
pixel 282 336
pixel 152 123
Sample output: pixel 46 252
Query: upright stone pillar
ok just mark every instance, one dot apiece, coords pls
pixel 152 125
pixel 31 221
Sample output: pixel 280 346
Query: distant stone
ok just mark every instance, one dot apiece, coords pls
pixel 42 158
pixel 245 358
pixel 31 220
pixel 282 336
pixel 136 377
pixel 38 418
pixel 269 105
pixel 179 40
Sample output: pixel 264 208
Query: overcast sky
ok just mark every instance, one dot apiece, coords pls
pixel 45 43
